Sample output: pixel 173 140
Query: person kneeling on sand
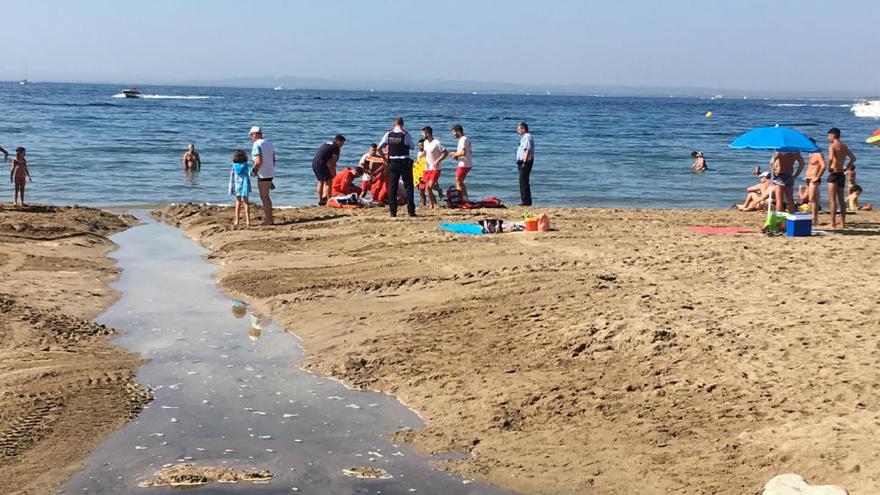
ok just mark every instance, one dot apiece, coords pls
pixel 757 195
pixel 343 183
pixel 240 185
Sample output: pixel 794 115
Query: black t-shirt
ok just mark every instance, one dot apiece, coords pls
pixel 325 152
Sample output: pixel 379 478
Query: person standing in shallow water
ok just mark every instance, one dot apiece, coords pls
pixel 263 154
pixel 395 146
pixel 525 158
pixel 192 162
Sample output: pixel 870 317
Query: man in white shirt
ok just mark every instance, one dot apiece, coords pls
pixel 263 154
pixel 464 155
pixel 525 158
pixel 435 153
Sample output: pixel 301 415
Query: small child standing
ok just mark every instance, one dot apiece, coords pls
pixel 17 175
pixel 240 185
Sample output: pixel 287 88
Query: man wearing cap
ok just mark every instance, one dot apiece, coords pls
pixel 263 154
pixel 395 146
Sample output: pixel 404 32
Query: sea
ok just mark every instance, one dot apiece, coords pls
pixel 89 146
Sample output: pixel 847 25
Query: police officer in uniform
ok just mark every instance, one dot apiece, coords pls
pixel 395 146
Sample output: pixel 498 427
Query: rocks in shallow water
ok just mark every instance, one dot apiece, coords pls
pixel 188 475
pixel 367 473
pixel 792 484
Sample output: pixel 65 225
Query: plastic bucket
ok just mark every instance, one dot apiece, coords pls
pixel 531 224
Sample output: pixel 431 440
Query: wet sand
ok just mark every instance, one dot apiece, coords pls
pixel 622 353
pixel 63 387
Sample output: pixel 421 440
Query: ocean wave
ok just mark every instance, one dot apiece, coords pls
pixel 173 97
pixel 783 105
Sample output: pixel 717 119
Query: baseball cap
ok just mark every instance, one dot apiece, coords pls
pixel 255 129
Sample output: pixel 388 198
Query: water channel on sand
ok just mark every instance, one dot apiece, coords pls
pixel 228 393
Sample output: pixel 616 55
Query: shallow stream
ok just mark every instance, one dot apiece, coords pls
pixel 228 393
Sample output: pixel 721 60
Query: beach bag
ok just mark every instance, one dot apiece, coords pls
pixel 492 226
pixel 453 198
pixel 543 223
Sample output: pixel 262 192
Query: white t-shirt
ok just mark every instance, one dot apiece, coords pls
pixel 364 165
pixel 433 150
pixel 267 151
pixel 464 144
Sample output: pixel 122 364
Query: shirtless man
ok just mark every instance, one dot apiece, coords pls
pixel 785 177
pixel 815 168
pixel 192 162
pixel 837 155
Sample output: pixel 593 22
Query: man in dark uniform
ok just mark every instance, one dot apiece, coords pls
pixel 395 146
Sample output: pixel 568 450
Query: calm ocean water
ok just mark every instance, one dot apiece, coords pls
pixel 87 147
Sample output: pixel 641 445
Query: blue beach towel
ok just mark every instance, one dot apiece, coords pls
pixel 462 228
pixel 240 180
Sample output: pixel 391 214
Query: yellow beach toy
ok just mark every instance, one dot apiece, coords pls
pixel 419 170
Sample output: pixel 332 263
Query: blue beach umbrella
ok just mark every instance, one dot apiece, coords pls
pixel 777 139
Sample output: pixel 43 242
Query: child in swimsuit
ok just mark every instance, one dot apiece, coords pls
pixel 19 175
pixel 240 185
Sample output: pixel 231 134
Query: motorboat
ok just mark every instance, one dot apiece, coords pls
pixel 132 92
pixel 870 108
pixel 279 88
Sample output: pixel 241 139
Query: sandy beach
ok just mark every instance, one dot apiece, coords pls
pixel 63 387
pixel 621 353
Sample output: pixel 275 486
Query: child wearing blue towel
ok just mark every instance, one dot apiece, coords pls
pixel 240 185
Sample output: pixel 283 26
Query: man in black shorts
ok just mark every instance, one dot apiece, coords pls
pixel 395 146
pixel 324 166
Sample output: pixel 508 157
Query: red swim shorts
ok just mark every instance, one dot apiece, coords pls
pixel 431 176
pixel 461 173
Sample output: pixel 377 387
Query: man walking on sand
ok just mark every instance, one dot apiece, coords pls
pixel 815 168
pixel 395 146
pixel 465 155
pixel 525 158
pixel 838 152
pixel 435 153
pixel 263 154
pixel 324 167
pixel 785 177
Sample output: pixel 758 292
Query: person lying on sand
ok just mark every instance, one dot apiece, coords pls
pixel 757 195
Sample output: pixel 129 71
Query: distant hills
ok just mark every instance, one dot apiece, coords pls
pixel 483 87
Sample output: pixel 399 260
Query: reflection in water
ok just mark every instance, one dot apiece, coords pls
pixel 192 178
pixel 255 333
pixel 239 309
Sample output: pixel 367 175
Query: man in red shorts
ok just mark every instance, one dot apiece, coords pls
pixel 465 160
pixel 435 153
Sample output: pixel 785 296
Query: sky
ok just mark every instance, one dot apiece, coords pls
pixel 773 45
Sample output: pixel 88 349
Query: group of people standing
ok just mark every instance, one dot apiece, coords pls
pixel 841 168
pixel 388 166
pixel 385 169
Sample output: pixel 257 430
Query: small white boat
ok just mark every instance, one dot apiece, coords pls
pixel 870 108
pixel 24 82
pixel 278 88
pixel 132 92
